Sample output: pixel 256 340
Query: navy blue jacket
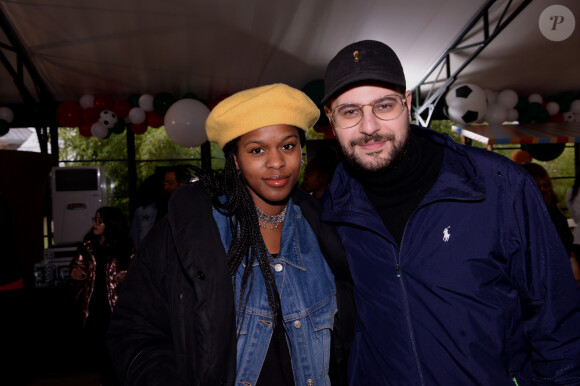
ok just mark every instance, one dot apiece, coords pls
pixel 480 291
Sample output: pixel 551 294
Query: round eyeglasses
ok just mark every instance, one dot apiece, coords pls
pixel 386 108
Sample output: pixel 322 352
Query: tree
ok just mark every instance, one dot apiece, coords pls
pixel 152 149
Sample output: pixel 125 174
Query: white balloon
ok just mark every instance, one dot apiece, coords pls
pixel 512 115
pixel 137 115
pixel 490 95
pixel 185 122
pixel 6 114
pixel 496 113
pixel 569 116
pixel 99 131
pixel 507 98
pixel 535 98
pixel 146 102
pixel 575 107
pixel 87 101
pixel 552 108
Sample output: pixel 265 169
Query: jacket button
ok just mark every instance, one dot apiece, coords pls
pixel 310 382
pixel 278 267
pixel 200 275
pixel 297 324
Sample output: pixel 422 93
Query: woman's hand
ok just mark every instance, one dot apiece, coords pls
pixel 78 274
pixel 120 276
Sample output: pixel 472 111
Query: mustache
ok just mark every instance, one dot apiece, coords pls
pixel 375 137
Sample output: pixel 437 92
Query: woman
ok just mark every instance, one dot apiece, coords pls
pixel 573 203
pixel 232 286
pixel 98 270
pixel 544 183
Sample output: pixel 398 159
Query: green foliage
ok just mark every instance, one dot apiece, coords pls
pixel 152 149
pixel 561 169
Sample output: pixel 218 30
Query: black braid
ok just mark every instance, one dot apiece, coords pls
pixel 247 244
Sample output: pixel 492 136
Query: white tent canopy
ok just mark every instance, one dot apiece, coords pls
pixel 216 48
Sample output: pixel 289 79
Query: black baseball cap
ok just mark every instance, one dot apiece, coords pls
pixel 367 60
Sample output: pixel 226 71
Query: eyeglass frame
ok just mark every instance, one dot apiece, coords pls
pixel 401 99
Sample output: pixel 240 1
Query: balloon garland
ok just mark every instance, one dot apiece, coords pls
pixel 100 116
pixel 184 119
pixel 468 103
pixel 6 118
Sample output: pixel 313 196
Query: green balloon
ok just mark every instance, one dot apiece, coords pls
pixel 133 100
pixel 4 127
pixel 190 95
pixel 162 102
pixel 119 127
pixel 522 104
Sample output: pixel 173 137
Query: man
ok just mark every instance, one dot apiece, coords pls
pixel 460 277
pixel 174 177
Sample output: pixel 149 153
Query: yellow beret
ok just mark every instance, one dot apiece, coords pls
pixel 275 104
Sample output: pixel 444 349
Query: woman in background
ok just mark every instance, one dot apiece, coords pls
pixel 98 270
pixel 544 183
pixel 573 203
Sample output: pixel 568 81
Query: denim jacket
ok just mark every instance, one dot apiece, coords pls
pixel 308 299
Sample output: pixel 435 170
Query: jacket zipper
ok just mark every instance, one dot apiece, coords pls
pixel 409 325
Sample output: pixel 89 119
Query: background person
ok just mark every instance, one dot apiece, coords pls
pixel 232 286
pixel 573 204
pixel 460 277
pixel 146 200
pixel 173 177
pixel 98 270
pixel 544 182
pixel 319 171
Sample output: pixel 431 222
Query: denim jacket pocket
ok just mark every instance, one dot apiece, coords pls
pixel 321 322
pixel 323 317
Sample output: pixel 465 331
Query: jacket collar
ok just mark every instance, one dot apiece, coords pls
pixel 458 180
pixel 289 247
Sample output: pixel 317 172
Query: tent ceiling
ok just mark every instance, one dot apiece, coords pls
pixel 216 48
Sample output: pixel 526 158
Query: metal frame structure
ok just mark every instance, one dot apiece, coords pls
pixel 439 86
pixel 39 103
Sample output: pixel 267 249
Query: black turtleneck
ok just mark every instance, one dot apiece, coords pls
pixel 397 191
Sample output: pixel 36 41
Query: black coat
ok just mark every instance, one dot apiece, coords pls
pixel 174 322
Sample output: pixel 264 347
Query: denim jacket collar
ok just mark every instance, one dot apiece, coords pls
pixel 289 251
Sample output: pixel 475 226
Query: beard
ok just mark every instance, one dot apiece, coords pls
pixel 377 165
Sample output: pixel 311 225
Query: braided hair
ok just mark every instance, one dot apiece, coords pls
pixel 247 244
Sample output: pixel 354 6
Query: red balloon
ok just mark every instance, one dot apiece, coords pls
pixel 121 107
pixel 321 128
pixel 103 102
pixel 211 103
pixel 328 133
pixel 90 115
pixel 139 128
pixel 85 130
pixel 154 119
pixel 69 114
pixel 556 118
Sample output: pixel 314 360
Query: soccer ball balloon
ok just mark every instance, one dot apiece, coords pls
pixel 466 103
pixel 107 119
